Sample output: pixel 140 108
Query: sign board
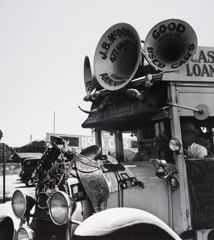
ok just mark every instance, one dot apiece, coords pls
pixel 126 113
pixel 201 191
pixel 199 69
pixel 80 142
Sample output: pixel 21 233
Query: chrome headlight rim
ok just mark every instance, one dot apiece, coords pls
pixel 27 232
pixel 68 204
pixel 174 144
pixel 25 204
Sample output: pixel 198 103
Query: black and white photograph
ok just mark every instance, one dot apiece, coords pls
pixel 107 120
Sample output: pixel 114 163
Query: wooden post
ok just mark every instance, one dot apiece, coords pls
pixel 98 138
pixel 139 136
pixel 3 173
pixel 119 146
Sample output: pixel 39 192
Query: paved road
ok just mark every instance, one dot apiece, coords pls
pixel 11 184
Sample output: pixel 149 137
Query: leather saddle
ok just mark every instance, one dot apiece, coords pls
pixel 91 176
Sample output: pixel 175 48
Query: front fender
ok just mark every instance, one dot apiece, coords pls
pixel 7 231
pixel 124 224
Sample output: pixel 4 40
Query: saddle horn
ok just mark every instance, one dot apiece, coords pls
pixel 170 45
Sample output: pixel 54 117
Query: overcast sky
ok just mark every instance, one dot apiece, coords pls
pixel 43 44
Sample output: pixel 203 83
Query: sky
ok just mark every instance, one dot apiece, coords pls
pixel 43 44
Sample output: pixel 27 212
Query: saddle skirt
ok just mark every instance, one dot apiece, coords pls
pixel 93 181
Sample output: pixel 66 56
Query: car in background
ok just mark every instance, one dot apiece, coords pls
pixel 28 167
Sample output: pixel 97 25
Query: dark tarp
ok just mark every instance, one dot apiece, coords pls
pixel 201 191
pixel 127 113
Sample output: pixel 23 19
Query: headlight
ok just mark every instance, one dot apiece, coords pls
pixel 25 233
pixel 6 227
pixel 60 207
pixel 175 145
pixel 21 203
pixel 42 200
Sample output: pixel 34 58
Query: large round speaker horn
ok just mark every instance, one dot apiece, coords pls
pixel 170 45
pixel 117 56
pixel 89 80
pixel 87 75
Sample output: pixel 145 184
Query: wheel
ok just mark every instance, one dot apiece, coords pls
pixel 28 181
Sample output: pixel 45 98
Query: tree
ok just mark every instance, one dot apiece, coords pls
pixel 1 134
pixel 35 146
pixel 5 151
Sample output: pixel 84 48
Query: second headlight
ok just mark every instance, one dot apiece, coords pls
pixel 21 203
pixel 60 207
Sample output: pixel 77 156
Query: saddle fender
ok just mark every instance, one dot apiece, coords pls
pixel 124 224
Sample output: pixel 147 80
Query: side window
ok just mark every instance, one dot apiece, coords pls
pixel 154 140
pixel 202 133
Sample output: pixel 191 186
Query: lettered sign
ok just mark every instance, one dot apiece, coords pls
pixel 199 69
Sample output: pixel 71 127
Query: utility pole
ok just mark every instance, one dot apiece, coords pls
pixel 3 151
pixel 54 123
pixel 4 173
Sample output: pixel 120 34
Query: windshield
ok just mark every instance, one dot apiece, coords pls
pixel 153 142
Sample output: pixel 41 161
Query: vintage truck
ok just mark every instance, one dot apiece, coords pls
pixel 169 195
pixel 155 106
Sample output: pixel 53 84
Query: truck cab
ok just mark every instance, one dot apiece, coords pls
pixel 178 188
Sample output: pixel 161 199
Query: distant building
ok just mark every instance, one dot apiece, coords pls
pixel 19 157
pixel 80 142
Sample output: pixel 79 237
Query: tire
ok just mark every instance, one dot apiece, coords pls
pixel 28 181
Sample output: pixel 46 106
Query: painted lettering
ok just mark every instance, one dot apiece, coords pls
pixel 111 143
pixel 202 57
pixel 210 55
pixel 88 86
pixel 104 55
pixel 172 26
pixel 90 141
pixel 203 216
pixel 109 81
pixel 186 58
pixel 189 73
pixel 196 70
pixel 205 70
pixel 191 47
pixel 118 33
pixel 114 55
pixel 117 77
pixel 106 46
pixel 154 59
pixel 84 142
pixel 125 143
